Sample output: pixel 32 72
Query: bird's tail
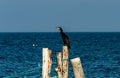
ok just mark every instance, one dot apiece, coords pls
pixel 69 46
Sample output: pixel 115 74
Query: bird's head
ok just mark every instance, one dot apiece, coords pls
pixel 59 28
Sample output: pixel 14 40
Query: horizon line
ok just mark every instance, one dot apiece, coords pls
pixel 66 32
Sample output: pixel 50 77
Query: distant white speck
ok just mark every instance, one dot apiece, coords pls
pixel 33 44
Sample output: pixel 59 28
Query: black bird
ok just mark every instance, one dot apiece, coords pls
pixel 65 38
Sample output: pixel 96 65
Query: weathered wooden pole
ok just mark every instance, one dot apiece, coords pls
pixel 59 64
pixel 45 63
pixel 49 62
pixel 65 62
pixel 77 68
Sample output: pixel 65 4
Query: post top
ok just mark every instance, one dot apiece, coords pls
pixel 75 59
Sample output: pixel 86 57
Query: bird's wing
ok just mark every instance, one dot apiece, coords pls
pixel 66 39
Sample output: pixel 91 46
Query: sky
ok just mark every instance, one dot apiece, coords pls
pixel 71 15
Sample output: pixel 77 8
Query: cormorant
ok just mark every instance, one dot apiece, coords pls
pixel 65 38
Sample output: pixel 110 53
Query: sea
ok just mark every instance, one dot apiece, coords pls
pixel 21 53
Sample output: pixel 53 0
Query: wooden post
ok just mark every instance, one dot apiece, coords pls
pixel 77 68
pixel 49 62
pixel 45 63
pixel 59 64
pixel 65 62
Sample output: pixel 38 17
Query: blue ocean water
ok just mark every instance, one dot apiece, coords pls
pixel 99 53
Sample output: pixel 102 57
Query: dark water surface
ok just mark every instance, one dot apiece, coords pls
pixel 99 53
